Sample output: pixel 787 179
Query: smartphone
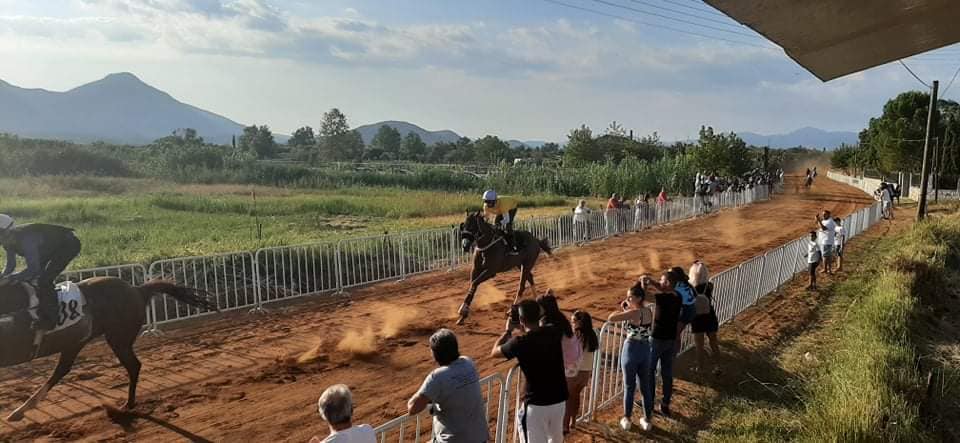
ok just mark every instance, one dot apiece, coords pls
pixel 515 314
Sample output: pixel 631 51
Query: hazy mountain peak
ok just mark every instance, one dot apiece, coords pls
pixel 117 108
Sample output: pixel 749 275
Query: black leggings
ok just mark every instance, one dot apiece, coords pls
pixel 69 249
pixel 513 217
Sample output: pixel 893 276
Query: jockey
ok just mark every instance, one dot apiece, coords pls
pixel 47 249
pixel 505 211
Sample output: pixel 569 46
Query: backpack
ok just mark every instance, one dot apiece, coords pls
pixel 702 303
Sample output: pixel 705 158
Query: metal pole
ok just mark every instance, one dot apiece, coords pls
pixel 922 206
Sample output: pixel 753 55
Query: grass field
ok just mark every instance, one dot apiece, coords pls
pixel 137 221
pixel 860 372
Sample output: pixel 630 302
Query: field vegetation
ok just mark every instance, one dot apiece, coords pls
pixel 882 365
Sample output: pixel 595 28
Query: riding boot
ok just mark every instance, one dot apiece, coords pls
pixel 511 240
pixel 47 310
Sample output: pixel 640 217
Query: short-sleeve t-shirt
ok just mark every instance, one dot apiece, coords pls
pixel 356 434
pixel 541 359
pixel 460 415
pixel 826 235
pixel 841 235
pixel 666 317
pixel 813 252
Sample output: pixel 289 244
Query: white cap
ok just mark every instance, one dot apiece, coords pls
pixel 490 195
pixel 6 222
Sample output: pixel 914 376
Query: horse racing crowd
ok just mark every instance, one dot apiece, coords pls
pixel 555 353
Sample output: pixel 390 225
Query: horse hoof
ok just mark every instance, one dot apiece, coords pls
pixel 15 417
pixel 461 320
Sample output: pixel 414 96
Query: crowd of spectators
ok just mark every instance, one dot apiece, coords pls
pixel 556 354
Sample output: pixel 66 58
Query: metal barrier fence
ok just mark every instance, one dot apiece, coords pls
pixel 735 290
pixel 252 279
pixel 419 428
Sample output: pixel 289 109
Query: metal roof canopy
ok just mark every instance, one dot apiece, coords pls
pixel 833 38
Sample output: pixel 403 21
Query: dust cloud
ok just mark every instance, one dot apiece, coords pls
pixel 358 343
pixel 487 295
pixel 313 354
pixel 396 319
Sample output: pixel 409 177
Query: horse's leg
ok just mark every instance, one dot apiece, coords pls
pixel 123 349
pixel 464 310
pixel 67 358
pixel 524 278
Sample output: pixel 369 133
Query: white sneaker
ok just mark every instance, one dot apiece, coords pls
pixel 645 425
pixel 625 423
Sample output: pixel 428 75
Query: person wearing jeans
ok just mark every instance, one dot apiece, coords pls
pixel 663 340
pixel 635 355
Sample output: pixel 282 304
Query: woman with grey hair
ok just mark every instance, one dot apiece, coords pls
pixel 336 408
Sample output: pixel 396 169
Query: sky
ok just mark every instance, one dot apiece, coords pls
pixel 519 69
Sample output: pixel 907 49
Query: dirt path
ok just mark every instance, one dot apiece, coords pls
pixel 231 379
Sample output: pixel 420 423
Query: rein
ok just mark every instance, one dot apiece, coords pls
pixel 479 248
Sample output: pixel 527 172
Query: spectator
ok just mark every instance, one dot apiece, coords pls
pixel 886 201
pixel 642 210
pixel 589 343
pixel 580 214
pixel 459 413
pixel 336 408
pixel 613 209
pixel 665 336
pixel 663 212
pixel 572 348
pixel 841 240
pixel 826 236
pixel 688 297
pixel 540 356
pixel 705 323
pixel 635 355
pixel 813 260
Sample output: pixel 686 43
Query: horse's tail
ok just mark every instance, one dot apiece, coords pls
pixel 545 245
pixel 190 296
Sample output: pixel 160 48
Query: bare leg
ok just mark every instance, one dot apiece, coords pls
pixel 698 341
pixel 67 358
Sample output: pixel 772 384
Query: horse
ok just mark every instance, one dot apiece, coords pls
pixel 807 183
pixel 492 256
pixel 114 309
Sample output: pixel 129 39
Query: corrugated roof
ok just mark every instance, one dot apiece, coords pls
pixel 833 38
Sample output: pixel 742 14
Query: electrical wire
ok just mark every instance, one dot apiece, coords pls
pixel 656 25
pixel 914 75
pixel 708 11
pixel 687 14
pixel 944 94
pixel 667 17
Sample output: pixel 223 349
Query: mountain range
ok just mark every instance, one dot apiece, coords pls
pixel 121 108
pixel 807 137
pixel 118 108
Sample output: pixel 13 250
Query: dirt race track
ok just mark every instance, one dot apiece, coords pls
pixel 238 378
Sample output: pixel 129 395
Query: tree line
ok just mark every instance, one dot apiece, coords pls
pixel 893 141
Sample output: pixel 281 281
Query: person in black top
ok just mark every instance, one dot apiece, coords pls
pixel 540 356
pixel 664 336
pixel 47 249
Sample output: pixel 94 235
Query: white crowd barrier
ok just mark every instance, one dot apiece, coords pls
pixel 252 279
pixel 735 290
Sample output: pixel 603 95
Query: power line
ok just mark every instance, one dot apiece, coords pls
pixel 914 75
pixel 944 93
pixel 687 14
pixel 656 25
pixel 667 17
pixel 708 11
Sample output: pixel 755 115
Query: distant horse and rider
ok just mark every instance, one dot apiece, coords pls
pixel 498 248
pixel 36 321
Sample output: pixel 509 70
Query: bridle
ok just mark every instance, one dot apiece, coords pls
pixel 478 237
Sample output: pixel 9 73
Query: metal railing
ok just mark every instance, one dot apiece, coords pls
pixel 419 428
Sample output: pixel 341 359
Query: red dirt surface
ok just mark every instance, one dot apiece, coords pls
pixel 243 378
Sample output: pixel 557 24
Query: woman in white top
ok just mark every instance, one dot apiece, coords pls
pixel 587 338
pixel 580 214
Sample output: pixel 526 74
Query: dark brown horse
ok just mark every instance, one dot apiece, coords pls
pixel 492 256
pixel 114 309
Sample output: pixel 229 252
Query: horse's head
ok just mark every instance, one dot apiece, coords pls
pixel 471 230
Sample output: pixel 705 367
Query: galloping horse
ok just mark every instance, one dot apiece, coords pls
pixel 113 308
pixel 492 256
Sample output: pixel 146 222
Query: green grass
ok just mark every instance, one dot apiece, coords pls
pixel 864 383
pixel 138 221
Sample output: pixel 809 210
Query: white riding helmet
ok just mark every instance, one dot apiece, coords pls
pixel 6 222
pixel 489 195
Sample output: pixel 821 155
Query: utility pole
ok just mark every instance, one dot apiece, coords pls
pixel 931 111
pixel 936 167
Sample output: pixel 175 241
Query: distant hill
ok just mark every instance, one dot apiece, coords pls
pixel 806 137
pixel 118 108
pixel 528 143
pixel 367 132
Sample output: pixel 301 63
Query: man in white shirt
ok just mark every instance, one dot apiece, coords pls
pixel 336 408
pixel 826 238
pixel 580 216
